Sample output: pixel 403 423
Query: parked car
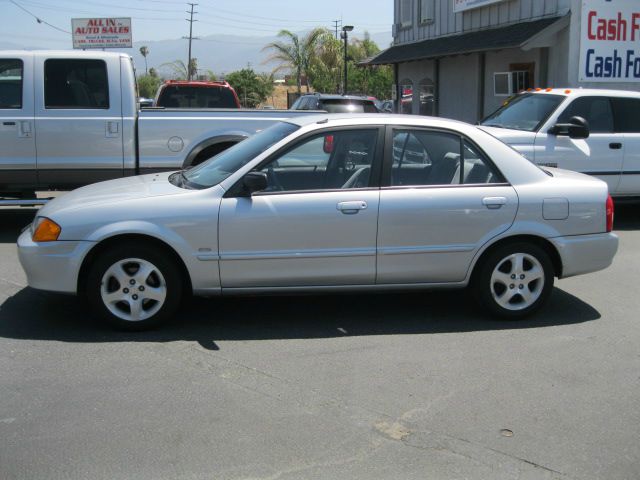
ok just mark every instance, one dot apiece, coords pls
pixel 196 94
pixel 320 203
pixel 592 131
pixel 70 118
pixel 335 103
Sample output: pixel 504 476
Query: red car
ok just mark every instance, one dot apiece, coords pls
pixel 196 94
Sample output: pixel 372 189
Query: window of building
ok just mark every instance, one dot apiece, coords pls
pixel 10 83
pixel 427 11
pixel 406 17
pixel 339 159
pixel 595 110
pixel 406 96
pixel 427 98
pixel 627 118
pixel 76 84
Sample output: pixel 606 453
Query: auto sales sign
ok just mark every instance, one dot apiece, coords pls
pixel 610 41
pixel 101 32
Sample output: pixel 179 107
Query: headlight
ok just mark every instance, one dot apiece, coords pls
pixel 45 230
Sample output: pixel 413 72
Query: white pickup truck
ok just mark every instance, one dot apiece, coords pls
pixel 592 131
pixel 70 118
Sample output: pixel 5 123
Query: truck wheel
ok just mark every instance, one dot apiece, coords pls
pixel 134 287
pixel 514 281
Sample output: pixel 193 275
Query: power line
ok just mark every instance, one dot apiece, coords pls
pixel 335 25
pixel 38 19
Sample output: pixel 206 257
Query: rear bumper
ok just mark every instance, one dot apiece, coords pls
pixel 52 266
pixel 585 253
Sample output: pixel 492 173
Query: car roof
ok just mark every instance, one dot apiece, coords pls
pixel 71 54
pixel 377 119
pixel 583 92
pixel 335 96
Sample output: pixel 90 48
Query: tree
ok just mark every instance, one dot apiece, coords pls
pixel 178 69
pixel 148 85
pixel 252 88
pixel 326 66
pixel 294 53
pixel 144 51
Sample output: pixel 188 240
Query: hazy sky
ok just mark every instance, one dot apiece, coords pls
pixel 165 19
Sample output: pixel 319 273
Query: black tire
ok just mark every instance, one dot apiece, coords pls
pixel 519 305
pixel 166 278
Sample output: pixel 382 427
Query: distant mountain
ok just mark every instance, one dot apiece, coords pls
pixel 219 53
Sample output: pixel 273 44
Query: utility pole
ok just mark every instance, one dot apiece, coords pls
pixel 336 25
pixel 190 37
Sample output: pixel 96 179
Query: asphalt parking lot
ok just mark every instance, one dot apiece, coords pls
pixel 369 386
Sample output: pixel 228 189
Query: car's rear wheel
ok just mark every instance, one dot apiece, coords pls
pixel 514 280
pixel 134 287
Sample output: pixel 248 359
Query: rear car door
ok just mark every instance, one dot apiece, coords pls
pixel 78 121
pixel 627 123
pixel 441 200
pixel 315 225
pixel 18 152
pixel 600 155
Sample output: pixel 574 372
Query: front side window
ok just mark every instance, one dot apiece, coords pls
pixel 11 83
pixel 525 112
pixel 595 110
pixel 424 158
pixel 332 160
pixel 352 106
pixel 76 84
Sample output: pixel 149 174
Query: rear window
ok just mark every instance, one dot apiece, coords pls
pixel 352 106
pixel 627 114
pixel 10 83
pixel 184 96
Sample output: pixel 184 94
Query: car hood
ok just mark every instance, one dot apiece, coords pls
pixel 510 136
pixel 122 189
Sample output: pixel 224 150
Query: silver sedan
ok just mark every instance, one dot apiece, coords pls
pixel 326 203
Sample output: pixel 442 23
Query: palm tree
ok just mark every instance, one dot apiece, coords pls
pixel 178 68
pixel 144 51
pixel 295 53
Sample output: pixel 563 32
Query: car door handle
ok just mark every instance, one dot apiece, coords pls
pixel 24 129
pixel 615 146
pixel 494 202
pixel 112 129
pixel 349 208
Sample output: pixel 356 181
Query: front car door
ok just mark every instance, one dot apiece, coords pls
pixel 315 225
pixel 627 123
pixel 78 121
pixel 600 155
pixel 18 153
pixel 441 200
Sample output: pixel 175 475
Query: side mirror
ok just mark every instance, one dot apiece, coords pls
pixel 254 182
pixel 577 128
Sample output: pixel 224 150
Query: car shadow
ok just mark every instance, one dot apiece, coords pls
pixel 12 221
pixel 626 215
pixel 35 315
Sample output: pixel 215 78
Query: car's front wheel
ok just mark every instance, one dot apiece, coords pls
pixel 514 280
pixel 134 287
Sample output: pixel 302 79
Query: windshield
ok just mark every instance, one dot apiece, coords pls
pixel 217 168
pixel 525 112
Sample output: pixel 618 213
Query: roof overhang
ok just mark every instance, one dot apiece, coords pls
pixel 525 35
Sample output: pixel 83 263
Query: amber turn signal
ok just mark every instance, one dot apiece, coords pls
pixel 46 231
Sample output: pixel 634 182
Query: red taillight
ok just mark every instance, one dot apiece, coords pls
pixel 609 208
pixel 328 144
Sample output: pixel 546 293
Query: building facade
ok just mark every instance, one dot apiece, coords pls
pixel 462 58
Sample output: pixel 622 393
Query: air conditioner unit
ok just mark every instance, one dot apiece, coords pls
pixel 506 84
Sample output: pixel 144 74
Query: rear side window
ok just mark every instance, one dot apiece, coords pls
pixel 11 83
pixel 422 158
pixel 595 110
pixel 627 114
pixel 76 84
pixel 185 96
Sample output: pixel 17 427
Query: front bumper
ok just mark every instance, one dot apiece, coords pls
pixel 585 253
pixel 52 266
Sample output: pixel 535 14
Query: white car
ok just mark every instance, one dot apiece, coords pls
pixel 327 203
pixel 591 131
